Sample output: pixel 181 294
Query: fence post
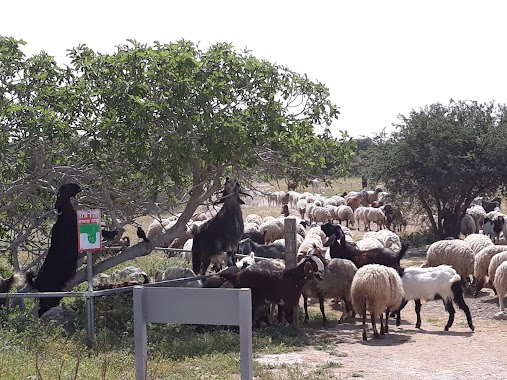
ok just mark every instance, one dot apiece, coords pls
pixel 290 253
pixel 245 334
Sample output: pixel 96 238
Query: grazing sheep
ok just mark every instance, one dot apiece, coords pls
pixel 427 284
pixel 253 218
pixel 321 214
pixel 456 253
pixel 61 261
pixel 359 215
pixel 481 265
pixel 477 242
pixel 16 279
pixel 340 248
pixel 376 215
pixel 495 262
pixel 338 275
pixel 388 239
pixel 468 225
pixel 272 229
pixel 301 207
pixel 221 233
pixel 366 244
pixel 479 214
pixel 500 283
pixel 345 213
pixel 376 288
pixel 176 273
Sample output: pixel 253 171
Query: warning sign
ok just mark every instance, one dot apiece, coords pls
pixel 88 226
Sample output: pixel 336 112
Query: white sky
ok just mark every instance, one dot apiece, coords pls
pixel 378 58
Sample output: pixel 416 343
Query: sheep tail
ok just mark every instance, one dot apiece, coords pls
pixel 455 278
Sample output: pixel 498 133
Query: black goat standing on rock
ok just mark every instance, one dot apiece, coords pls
pixel 61 261
pixel 221 233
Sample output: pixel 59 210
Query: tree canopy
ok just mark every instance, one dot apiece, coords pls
pixel 148 128
pixel 442 157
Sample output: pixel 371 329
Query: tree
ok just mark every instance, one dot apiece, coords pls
pixel 150 129
pixel 442 157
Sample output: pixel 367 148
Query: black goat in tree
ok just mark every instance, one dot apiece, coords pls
pixel 61 261
pixel 221 233
pixel 140 233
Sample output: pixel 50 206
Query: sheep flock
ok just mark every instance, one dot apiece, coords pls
pixel 349 250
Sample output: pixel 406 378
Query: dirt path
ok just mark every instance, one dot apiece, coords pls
pixel 407 352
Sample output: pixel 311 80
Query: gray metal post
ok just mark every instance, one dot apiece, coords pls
pixel 140 335
pixel 291 253
pixel 89 299
pixel 245 334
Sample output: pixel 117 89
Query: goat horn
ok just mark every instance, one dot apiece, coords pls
pixel 248 195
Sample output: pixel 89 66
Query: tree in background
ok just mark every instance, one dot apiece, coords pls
pixel 442 157
pixel 149 129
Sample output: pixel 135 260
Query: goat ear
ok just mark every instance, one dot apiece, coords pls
pixel 330 241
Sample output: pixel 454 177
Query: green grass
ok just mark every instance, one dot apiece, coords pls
pixel 34 349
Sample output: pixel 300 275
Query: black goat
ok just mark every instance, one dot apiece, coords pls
pixel 221 233
pixel 341 249
pixel 491 205
pixel 281 287
pixel 256 236
pixel 61 260
pixel 269 251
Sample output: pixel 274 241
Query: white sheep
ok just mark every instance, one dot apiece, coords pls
pixel 301 207
pixel 376 288
pixel 477 242
pixel 250 227
pixel 321 214
pixel 367 244
pixel 176 273
pixel 495 262
pixel 246 261
pixel 345 213
pixel 500 283
pixel 388 238
pixel 272 229
pixel 481 265
pixel 479 214
pixel 359 215
pixel 455 253
pixel 310 206
pixel 428 284
pixel 253 218
pixel 373 214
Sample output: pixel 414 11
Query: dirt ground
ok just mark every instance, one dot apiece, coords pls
pixel 407 352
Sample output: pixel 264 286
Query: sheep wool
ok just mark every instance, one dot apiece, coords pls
pixel 253 218
pixel 477 242
pixel 376 288
pixel 495 262
pixel 456 253
pixel 500 283
pixel 481 265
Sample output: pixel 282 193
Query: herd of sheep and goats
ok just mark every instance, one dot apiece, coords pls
pixel 366 275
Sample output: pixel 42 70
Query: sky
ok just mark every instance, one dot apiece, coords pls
pixel 379 59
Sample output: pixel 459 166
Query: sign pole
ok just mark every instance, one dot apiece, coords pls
pixel 89 300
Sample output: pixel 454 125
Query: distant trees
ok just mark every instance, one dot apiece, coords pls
pixel 148 128
pixel 442 157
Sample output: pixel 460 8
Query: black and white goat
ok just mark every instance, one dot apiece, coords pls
pixel 61 261
pixel 441 282
pixel 221 233
pixel 269 251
